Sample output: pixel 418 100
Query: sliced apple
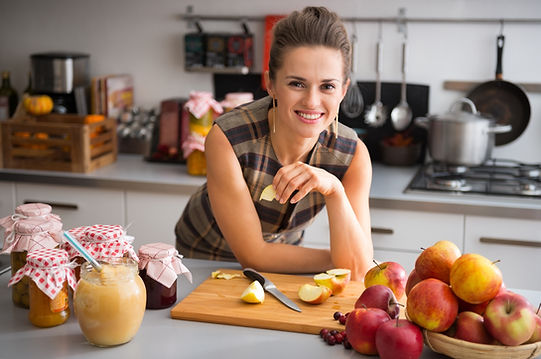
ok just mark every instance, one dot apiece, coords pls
pixel 335 284
pixel 340 273
pixel 254 293
pixel 314 294
pixel 268 193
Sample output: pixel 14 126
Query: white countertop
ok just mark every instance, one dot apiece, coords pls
pixel 387 191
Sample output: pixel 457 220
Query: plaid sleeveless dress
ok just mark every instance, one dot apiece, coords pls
pixel 247 129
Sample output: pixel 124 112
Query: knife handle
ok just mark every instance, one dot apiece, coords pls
pixel 254 275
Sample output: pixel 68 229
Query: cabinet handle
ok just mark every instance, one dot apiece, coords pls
pixel 380 230
pixel 510 242
pixel 57 205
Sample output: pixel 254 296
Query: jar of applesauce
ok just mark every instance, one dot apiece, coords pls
pixel 110 304
pixel 31 227
pixel 49 273
pixel 159 266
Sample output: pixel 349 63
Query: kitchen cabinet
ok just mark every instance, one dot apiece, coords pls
pixel 7 198
pixel 398 235
pixel 152 216
pixel 77 206
pixel 515 242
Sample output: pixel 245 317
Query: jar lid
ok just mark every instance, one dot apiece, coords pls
pixel 201 102
pixel 234 99
pixel 104 232
pixel 33 209
pixel 157 251
pixel 35 225
pixel 44 258
pixel 78 232
pixel 162 263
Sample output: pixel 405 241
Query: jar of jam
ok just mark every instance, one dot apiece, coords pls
pixel 49 273
pixel 110 304
pixel 235 99
pixel 202 108
pixel 102 241
pixel 31 227
pixel 159 266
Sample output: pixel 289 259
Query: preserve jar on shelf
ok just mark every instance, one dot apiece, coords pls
pixel 49 273
pixel 102 241
pixel 110 304
pixel 235 99
pixel 31 227
pixel 202 109
pixel 159 266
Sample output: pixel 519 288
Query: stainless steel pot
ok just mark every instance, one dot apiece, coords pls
pixel 59 72
pixel 459 137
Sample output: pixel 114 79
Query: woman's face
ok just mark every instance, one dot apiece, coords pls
pixel 308 89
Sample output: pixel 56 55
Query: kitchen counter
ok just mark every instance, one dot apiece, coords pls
pixel 388 187
pixel 162 336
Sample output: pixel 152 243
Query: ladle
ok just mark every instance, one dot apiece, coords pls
pixel 401 115
pixel 376 115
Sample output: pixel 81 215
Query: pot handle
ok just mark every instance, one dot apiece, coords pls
pixel 461 101
pixel 421 122
pixel 499 129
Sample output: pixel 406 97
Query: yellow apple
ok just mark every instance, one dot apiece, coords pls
pixel 390 274
pixel 334 279
pixel 314 294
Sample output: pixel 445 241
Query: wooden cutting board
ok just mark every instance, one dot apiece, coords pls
pixel 218 301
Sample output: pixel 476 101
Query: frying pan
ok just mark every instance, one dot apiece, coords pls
pixel 505 101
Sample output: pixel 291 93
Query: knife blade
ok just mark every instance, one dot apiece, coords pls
pixel 269 286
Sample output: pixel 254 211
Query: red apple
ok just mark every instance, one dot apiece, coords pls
pixel 510 318
pixel 390 274
pixel 361 326
pixel 413 279
pixel 432 305
pixel 536 336
pixel 475 278
pixel 379 296
pixel 399 339
pixel 470 327
pixel 314 294
pixel 478 308
pixel 436 261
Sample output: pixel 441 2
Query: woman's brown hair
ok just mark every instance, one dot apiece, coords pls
pixel 313 26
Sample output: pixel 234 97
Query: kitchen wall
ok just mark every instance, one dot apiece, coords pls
pixel 145 38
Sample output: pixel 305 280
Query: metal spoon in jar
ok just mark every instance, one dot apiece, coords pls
pixel 401 114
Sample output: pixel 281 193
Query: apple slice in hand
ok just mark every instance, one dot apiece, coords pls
pixel 314 294
pixel 268 194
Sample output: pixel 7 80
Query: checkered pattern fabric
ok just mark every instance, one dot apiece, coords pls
pixel 201 102
pixel 162 263
pixel 49 269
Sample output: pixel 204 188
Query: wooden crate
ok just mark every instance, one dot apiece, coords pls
pixel 58 143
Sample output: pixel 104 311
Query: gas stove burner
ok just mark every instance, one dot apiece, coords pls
pixel 457 170
pixel 529 171
pixel 529 189
pixel 450 183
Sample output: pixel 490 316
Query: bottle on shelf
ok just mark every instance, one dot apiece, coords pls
pixel 8 98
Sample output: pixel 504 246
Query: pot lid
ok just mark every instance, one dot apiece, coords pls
pixel 457 114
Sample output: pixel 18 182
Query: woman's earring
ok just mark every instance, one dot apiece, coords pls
pixel 273 115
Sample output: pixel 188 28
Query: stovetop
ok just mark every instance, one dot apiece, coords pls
pixel 495 177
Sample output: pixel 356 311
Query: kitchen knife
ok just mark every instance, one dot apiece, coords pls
pixel 271 288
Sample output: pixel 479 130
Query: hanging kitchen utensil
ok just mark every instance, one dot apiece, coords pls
pixel 401 115
pixel 376 114
pixel 505 101
pixel 353 104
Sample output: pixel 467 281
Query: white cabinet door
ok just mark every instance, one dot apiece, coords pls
pixel 77 206
pixel 152 216
pixel 515 242
pixel 317 234
pixel 7 198
pixel 406 259
pixel 412 230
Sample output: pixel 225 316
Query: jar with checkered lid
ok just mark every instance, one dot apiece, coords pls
pixel 49 272
pixel 159 266
pixel 31 227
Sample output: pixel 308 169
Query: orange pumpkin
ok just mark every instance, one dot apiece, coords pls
pixel 38 104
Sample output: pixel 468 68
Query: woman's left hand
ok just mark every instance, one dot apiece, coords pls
pixel 303 178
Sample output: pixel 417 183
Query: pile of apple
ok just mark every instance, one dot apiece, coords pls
pixel 463 296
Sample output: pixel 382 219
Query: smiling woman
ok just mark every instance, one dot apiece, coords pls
pixel 291 140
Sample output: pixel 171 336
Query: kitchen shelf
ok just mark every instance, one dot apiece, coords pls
pixel 466 86
pixel 219 70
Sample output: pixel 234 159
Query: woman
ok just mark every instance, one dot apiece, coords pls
pixel 292 140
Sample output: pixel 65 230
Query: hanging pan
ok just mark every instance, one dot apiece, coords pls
pixel 505 101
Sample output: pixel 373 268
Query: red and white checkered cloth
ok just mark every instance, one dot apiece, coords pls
pixel 162 263
pixel 102 241
pixel 49 269
pixel 201 102
pixel 31 214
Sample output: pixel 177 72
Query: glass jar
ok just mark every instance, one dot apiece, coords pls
pixel 49 273
pixel 159 266
pixel 110 304
pixel 19 292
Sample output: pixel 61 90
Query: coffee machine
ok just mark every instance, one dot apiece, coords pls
pixel 64 76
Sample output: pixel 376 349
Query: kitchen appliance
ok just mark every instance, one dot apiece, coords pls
pixel 218 301
pixel 64 76
pixel 461 138
pixel 505 101
pixel 501 177
pixel 269 287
